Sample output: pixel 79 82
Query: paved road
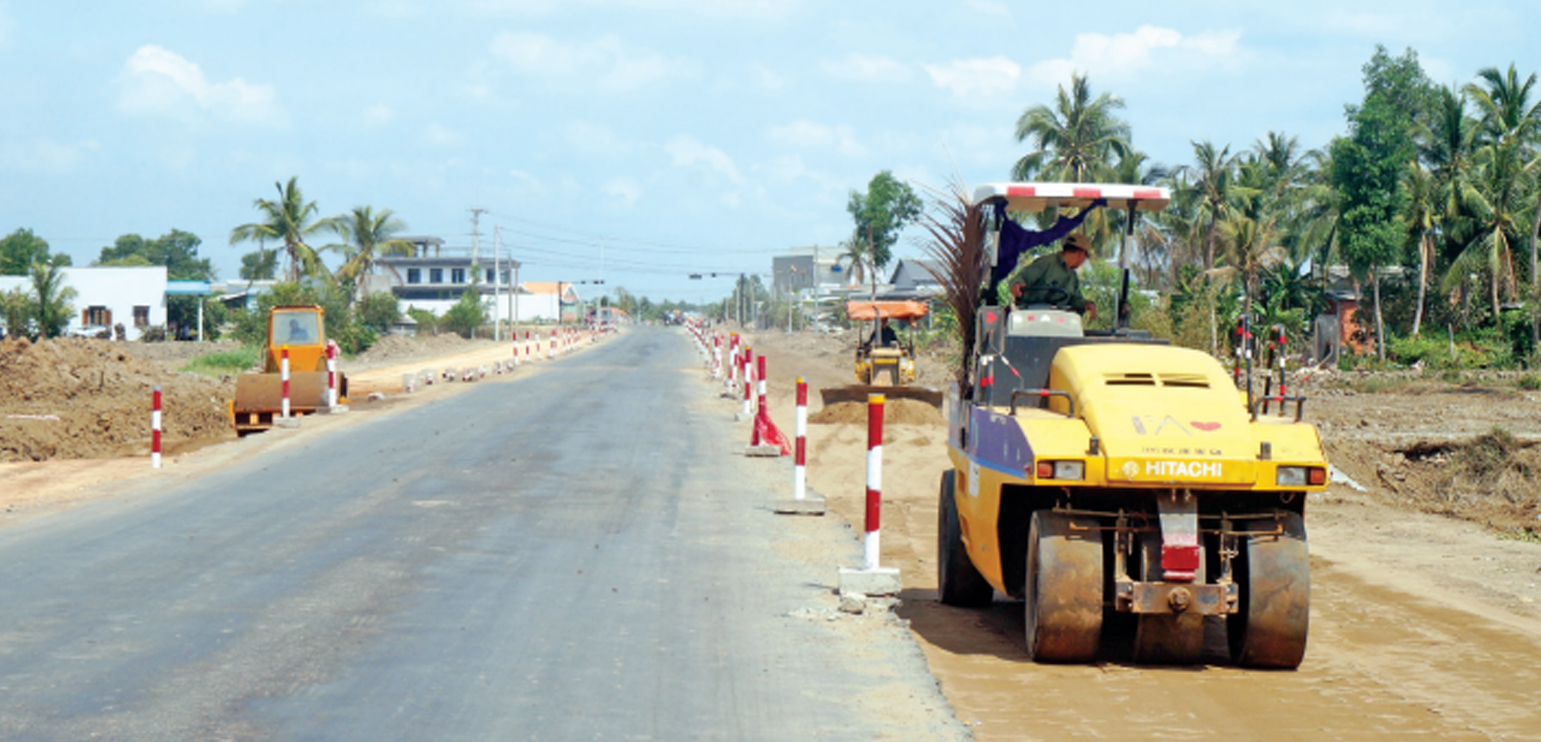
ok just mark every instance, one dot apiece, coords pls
pixel 574 555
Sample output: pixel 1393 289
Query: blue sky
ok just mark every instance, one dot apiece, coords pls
pixel 673 136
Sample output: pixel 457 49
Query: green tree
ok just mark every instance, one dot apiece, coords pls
pixel 259 265
pixel 1511 119
pixel 50 300
pixel 16 310
pixel 290 219
pixel 367 235
pixel 1075 139
pixel 177 250
pixel 882 213
pixel 19 250
pixel 1368 168
pixel 378 311
pixel 466 315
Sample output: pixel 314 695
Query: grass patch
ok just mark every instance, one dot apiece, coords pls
pixel 1523 534
pixel 225 362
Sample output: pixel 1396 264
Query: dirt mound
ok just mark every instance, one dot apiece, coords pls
pixel 178 352
pixel 895 412
pixel 399 348
pixel 86 399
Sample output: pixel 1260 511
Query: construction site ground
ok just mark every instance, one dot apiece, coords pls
pixel 1426 600
pixel 1425 619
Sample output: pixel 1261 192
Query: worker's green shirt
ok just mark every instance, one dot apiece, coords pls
pixel 1050 270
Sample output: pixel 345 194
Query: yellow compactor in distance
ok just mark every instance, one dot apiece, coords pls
pixel 1125 489
pixel 259 396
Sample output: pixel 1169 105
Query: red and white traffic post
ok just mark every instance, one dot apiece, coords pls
pixel 331 374
pixel 155 429
pixel 872 579
pixel 283 366
pixel 874 481
pixel 748 401
pixel 800 446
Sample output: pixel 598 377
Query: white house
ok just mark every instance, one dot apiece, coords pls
pixel 132 296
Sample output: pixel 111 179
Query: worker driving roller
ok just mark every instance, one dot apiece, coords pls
pixel 883 335
pixel 1052 279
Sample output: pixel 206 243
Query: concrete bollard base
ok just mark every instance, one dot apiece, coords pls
pixel 739 417
pixel 810 505
pixel 762 451
pixel 880 581
pixel 286 422
pixel 341 409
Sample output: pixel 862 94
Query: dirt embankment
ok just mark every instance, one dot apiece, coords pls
pixel 90 399
pixel 77 398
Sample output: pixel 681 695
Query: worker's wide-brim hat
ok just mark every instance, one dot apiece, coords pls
pixel 1078 241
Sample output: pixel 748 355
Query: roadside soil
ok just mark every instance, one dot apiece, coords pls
pixel 1423 625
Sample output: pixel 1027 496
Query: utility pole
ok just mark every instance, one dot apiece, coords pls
pixel 476 246
pixel 497 286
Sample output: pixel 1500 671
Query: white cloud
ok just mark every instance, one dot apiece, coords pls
pixel 625 189
pixel 789 169
pixel 803 133
pixel 689 153
pixel 595 139
pixel 48 157
pixel 866 68
pixel 606 62
pixel 439 135
pixel 1126 55
pixel 969 78
pixel 159 82
pixel 379 114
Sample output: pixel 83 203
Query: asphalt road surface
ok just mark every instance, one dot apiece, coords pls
pixel 579 554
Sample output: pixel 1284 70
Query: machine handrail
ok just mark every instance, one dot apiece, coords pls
pixel 1042 394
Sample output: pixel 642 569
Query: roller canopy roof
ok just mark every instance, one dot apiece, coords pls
pixel 869 310
pixel 1036 197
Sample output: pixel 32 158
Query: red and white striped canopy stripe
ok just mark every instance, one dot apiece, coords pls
pixel 1036 197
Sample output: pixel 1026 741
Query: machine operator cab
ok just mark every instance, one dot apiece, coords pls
pixel 1016 345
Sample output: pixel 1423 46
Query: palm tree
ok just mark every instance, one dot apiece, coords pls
pixel 290 219
pixel 1250 248
pixel 1500 193
pixel 369 235
pixel 1509 118
pixel 1422 225
pixel 1213 183
pixel 856 258
pixel 51 308
pixel 1075 140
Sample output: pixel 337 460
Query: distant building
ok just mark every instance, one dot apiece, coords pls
pixel 914 279
pixel 134 297
pixel 434 277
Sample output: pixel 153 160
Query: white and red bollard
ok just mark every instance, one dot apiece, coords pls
pixel 801 502
pixel 155 429
pixel 283 370
pixel 553 345
pixel 748 401
pixel 331 374
pixel 872 579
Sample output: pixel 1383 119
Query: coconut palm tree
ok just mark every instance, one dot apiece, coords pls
pixel 51 299
pixel 1499 199
pixel 1510 118
pixel 368 235
pixel 290 219
pixel 854 260
pixel 1075 140
pixel 1422 225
